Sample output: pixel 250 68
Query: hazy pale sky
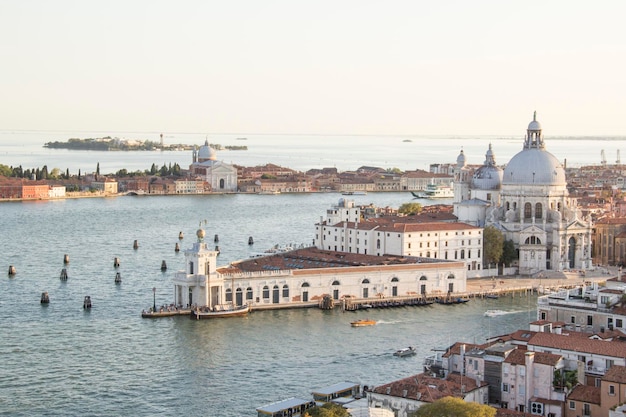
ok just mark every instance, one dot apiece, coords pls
pixel 319 66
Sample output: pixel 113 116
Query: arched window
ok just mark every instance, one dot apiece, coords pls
pixel 229 295
pixel 451 276
pixel 249 293
pixel 305 284
pixel 528 210
pixel 285 291
pixel 266 292
pixel 538 211
pixel 508 205
pixel 394 279
pixel 336 283
pixel 423 278
pixel 365 281
pixel 462 253
pixel 377 243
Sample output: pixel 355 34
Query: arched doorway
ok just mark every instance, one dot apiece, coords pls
pixel 571 253
pixel 365 289
pixel 239 297
pixel 336 290
pixel 222 183
pixel 394 286
pixel 276 295
pixel 190 296
pixel 305 292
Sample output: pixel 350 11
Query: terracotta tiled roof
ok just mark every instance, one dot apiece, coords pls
pixel 585 393
pixel 575 343
pixel 313 258
pixel 547 358
pixel 615 373
pixel 517 357
pixel 423 387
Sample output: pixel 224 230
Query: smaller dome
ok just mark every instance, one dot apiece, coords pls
pixel 487 177
pixel 200 233
pixel 460 160
pixel 534 125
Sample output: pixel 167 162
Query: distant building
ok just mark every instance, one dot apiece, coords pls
pixel 219 175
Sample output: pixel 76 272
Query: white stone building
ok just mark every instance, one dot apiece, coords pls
pixel 303 277
pixel 345 231
pixel 530 204
pixel 219 175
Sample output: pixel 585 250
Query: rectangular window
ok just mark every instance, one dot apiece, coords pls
pixel 572 405
pixel 618 323
pixel 572 319
pixel 589 320
pixel 505 387
pixel 611 389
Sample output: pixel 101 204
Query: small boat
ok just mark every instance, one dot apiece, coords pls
pixel 407 351
pixel 274 192
pixel 220 311
pixel 363 323
pixel 494 313
pixel 354 193
pixel 164 311
pixel 452 300
pixel 492 296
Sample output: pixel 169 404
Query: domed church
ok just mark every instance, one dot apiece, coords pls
pixel 219 175
pixel 528 201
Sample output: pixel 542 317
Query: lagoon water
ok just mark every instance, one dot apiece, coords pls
pixel 61 360
pixel 300 152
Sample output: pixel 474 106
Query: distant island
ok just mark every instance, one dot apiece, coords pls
pixel 109 143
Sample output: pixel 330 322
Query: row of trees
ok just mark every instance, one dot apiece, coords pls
pixel 56 174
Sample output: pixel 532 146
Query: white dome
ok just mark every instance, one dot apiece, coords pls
pixel 206 153
pixel 487 177
pixel 534 125
pixel 534 166
pixel 460 160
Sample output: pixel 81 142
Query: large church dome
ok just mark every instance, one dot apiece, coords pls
pixel 534 165
pixel 206 153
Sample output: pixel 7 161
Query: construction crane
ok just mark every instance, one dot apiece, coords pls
pixel 603 161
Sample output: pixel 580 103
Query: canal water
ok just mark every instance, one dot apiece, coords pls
pixel 62 360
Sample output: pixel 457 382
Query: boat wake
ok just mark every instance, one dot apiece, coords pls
pixel 495 313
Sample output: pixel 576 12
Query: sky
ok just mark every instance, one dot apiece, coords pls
pixel 359 67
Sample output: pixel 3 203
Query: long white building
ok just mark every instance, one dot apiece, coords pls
pixel 304 277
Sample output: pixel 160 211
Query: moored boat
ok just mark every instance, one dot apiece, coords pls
pixel 363 323
pixel 435 191
pixel 220 311
pixel 407 351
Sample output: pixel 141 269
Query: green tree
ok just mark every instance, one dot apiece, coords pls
pixel 327 410
pixel 454 407
pixel 394 170
pixel 153 169
pixel 98 169
pixel 5 171
pixel 410 209
pixel 55 174
pixel 122 173
pixel 493 241
pixel 509 254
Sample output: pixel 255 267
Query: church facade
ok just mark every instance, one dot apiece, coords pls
pixel 529 203
pixel 219 175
